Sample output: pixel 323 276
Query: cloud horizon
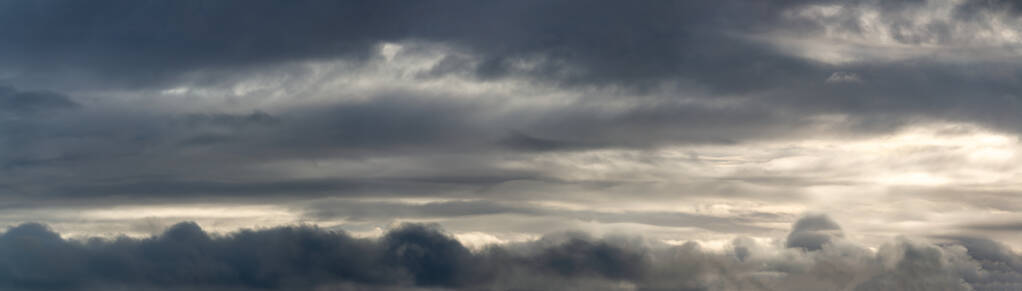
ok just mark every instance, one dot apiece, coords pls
pixel 423 257
pixel 806 135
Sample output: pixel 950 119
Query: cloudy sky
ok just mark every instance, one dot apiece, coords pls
pixel 511 145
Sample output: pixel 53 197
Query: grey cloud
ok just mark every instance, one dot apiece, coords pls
pixel 971 9
pixel 521 141
pixel 582 257
pixel 183 189
pixel 994 226
pixel 1000 265
pixel 216 154
pixel 289 258
pixel 184 149
pixel 647 75
pixel 185 257
pixel 167 189
pixel 376 211
pixel 988 251
pixel 604 41
pixel 394 122
pixel 150 42
pixel 369 210
pixel 14 101
pixel 381 124
pixel 920 267
pixel 608 43
pixel 257 118
pixel 742 247
pixel 812 232
pixel 978 198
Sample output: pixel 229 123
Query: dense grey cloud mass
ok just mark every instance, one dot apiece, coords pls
pixel 510 145
pixel 812 232
pixel 18 102
pixel 417 256
pixel 607 40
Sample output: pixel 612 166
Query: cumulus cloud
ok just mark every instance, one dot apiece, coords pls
pixel 411 256
pixel 812 232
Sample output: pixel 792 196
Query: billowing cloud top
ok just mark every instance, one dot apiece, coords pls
pixel 421 257
pixel 711 123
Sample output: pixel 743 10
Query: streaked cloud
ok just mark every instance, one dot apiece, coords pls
pixel 703 145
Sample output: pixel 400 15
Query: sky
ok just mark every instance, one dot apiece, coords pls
pixel 510 145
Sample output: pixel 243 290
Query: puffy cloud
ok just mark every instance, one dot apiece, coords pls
pixel 185 257
pixel 812 232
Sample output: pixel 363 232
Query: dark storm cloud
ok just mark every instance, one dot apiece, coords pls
pixel 185 257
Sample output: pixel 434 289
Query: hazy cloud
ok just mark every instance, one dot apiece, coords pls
pixel 15 102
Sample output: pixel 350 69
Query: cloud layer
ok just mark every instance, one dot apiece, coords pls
pixel 415 256
pixel 719 123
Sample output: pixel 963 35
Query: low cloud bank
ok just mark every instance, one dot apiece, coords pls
pixel 815 256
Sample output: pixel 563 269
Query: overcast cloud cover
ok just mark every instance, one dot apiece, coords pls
pixel 511 145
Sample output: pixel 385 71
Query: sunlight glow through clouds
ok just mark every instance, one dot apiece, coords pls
pixel 594 145
pixel 841 176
